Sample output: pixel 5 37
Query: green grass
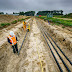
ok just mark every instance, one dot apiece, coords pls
pixel 13 22
pixel 21 19
pixel 57 24
pixel 4 24
pixel 58 21
pixel 63 27
pixel 59 16
pixel 64 16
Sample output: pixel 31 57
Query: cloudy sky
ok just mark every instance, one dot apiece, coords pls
pixel 10 6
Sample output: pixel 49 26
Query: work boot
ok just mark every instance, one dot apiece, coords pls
pixel 14 52
pixel 17 51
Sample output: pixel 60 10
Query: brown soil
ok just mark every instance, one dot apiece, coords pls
pixel 9 18
pixel 7 58
pixel 61 36
pixel 34 51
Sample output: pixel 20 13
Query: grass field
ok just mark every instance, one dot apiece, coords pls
pixel 64 16
pixel 58 21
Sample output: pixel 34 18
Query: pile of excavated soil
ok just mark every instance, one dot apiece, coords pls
pixel 9 18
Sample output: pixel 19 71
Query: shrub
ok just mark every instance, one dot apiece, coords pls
pixel 4 24
pixel 13 22
pixel 63 27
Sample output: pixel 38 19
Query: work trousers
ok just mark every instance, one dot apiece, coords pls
pixel 24 26
pixel 15 48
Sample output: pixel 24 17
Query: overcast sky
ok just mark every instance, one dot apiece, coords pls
pixel 10 6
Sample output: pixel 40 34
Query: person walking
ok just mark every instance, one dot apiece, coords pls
pixel 12 39
pixel 24 25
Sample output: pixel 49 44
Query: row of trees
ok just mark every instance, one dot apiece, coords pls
pixel 67 15
pixel 20 13
pixel 28 13
pixel 32 13
pixel 54 12
pixel 1 12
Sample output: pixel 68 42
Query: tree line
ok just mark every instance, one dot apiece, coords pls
pixel 1 12
pixel 28 13
pixel 43 13
pixel 54 12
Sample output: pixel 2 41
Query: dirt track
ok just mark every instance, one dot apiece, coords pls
pixel 34 52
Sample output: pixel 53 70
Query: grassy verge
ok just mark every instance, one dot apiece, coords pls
pixel 2 25
pixel 58 21
pixel 59 16
pixel 64 16
pixel 13 22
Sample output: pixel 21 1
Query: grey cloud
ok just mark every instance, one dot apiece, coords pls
pixel 26 5
pixel 66 3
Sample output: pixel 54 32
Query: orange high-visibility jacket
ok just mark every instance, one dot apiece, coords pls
pixel 12 39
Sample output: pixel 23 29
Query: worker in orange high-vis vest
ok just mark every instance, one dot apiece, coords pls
pixel 12 39
pixel 24 25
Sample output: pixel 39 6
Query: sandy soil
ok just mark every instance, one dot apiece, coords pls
pixel 62 35
pixel 5 48
pixel 57 57
pixel 36 45
pixel 62 38
pixel 5 32
pixel 28 60
pixel 9 18
pixel 33 54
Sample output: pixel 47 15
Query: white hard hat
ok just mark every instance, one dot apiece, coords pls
pixel 11 33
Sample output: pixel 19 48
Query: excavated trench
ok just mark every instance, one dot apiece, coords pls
pixel 34 52
pixel 61 37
